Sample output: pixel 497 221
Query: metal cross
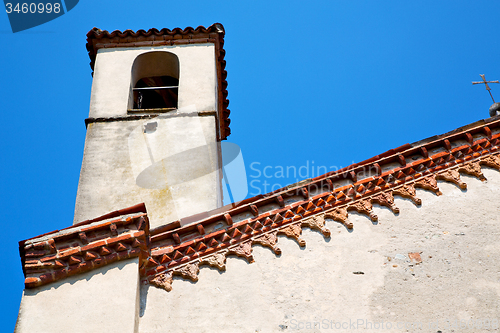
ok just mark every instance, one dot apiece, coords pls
pixel 486 84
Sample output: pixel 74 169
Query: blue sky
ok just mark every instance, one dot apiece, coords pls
pixel 311 84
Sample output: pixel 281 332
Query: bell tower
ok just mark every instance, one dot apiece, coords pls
pixel 158 112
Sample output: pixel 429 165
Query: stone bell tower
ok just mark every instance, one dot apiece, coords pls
pixel 158 112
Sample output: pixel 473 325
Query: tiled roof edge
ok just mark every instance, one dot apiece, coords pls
pixel 139 208
pixel 85 246
pixel 97 39
pixel 344 173
pixel 178 249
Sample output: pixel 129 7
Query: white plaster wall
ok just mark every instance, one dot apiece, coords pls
pixel 104 300
pixel 458 235
pixel 113 73
pixel 172 169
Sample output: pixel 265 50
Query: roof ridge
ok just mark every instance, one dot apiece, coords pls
pixel 99 33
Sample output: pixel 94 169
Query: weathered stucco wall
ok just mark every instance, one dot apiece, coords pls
pixel 457 235
pixel 172 168
pixel 103 300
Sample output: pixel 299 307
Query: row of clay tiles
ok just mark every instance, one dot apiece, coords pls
pixel 402 156
pixel 86 246
pixel 182 250
pixel 97 39
pixel 125 234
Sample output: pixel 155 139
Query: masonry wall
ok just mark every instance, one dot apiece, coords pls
pixel 356 279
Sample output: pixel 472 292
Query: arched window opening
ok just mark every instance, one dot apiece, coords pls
pixel 155 82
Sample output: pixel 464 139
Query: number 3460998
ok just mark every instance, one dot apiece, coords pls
pixel 25 8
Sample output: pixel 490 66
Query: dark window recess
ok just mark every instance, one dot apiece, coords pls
pixel 156 92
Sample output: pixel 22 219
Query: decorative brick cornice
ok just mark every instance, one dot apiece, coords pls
pixel 208 240
pixel 99 39
pixel 84 247
pixel 181 247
